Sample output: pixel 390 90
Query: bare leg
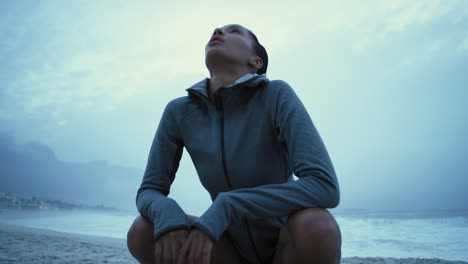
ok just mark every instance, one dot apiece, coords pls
pixel 140 243
pixel 309 236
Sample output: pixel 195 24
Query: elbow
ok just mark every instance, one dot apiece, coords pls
pixel 325 191
pixel 333 195
pixel 329 191
pixel 334 199
pixel 330 194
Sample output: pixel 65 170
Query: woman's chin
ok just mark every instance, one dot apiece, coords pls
pixel 217 54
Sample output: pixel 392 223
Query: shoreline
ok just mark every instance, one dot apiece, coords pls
pixel 19 244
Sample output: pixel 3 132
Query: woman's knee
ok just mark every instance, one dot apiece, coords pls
pixel 140 235
pixel 140 227
pixel 314 225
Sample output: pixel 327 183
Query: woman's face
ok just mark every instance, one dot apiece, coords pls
pixel 231 42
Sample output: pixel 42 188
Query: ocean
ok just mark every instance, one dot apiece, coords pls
pixel 424 234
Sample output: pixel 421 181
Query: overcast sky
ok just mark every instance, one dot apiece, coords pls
pixel 385 83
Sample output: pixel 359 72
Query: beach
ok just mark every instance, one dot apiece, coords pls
pixel 30 245
pixel 20 244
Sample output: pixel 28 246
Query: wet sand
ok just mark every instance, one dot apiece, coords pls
pixel 30 245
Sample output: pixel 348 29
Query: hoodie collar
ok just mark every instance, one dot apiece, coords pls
pixel 249 80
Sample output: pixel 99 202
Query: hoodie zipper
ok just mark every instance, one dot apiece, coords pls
pixel 226 176
pixel 221 133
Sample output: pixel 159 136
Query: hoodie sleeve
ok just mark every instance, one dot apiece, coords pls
pixel 317 185
pixel 163 162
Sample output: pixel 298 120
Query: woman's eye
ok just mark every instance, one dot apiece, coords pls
pixel 235 30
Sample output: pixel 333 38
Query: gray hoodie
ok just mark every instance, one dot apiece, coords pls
pixel 245 149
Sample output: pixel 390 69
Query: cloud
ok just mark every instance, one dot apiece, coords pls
pixel 68 60
pixel 433 48
pixel 420 12
pixel 463 45
pixel 93 67
pixel 93 57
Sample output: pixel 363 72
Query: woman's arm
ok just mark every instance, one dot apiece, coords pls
pixel 163 162
pixel 317 185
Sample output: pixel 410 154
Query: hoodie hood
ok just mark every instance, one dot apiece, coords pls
pixel 248 80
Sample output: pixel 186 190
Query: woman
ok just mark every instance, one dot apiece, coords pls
pixel 246 135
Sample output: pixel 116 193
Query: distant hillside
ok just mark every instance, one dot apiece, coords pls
pixel 13 201
pixel 33 169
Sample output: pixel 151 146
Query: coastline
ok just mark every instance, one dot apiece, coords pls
pixel 20 244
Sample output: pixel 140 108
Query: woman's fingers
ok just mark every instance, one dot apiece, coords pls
pixel 168 246
pixel 196 249
pixel 206 252
pixel 183 253
pixel 200 251
pixel 158 255
pixel 166 251
pixel 175 247
pixel 195 252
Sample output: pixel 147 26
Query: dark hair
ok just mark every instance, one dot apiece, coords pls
pixel 261 52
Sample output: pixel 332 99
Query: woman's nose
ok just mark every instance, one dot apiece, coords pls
pixel 218 31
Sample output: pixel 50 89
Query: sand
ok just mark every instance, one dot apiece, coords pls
pixel 356 260
pixel 30 245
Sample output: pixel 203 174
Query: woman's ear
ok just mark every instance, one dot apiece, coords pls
pixel 256 62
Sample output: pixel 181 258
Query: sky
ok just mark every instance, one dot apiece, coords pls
pixel 385 83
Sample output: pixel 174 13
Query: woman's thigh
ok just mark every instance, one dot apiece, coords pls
pixel 223 250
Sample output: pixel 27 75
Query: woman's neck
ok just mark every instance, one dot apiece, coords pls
pixel 218 79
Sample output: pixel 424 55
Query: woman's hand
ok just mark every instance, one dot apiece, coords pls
pixel 168 246
pixel 196 249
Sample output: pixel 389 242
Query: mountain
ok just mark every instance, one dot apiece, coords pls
pixel 33 169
